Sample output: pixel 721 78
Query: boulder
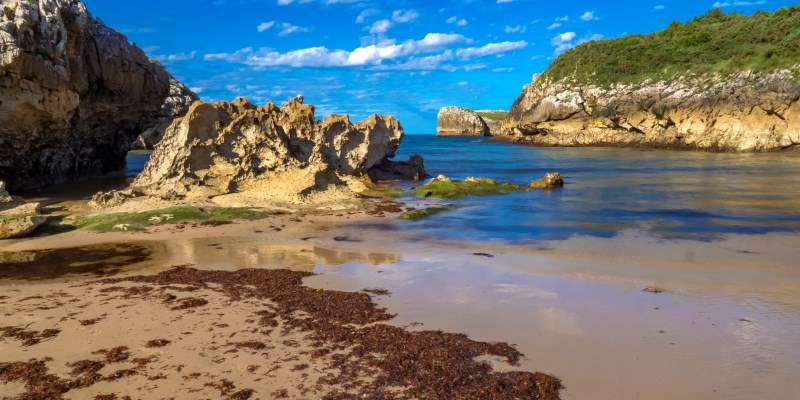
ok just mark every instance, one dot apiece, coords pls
pixel 175 106
pixel 551 180
pixel 388 170
pixel 458 121
pixel 225 151
pixel 73 93
pixel 17 218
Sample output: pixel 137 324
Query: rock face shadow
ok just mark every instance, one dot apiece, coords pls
pixel 93 261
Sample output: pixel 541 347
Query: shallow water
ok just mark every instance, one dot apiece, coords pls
pixel 673 194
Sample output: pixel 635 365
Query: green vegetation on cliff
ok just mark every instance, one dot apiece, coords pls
pixel 492 115
pixel 713 43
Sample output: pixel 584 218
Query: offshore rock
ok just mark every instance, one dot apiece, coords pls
pixel 388 170
pixel 458 121
pixel 743 112
pixel 551 180
pixel 238 153
pixel 73 93
pixel 175 106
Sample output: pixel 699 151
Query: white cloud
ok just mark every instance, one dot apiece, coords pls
pixel 366 14
pixel 515 29
pixel 590 38
pixel 737 3
pixel 504 1
pixel 563 38
pixel 506 69
pixel 490 49
pixel 589 16
pixel 659 7
pixel 554 25
pixel 265 25
pixel 321 56
pixel 176 57
pixel 288 29
pixel 563 19
pixel 380 26
pixel 457 21
pixel 403 16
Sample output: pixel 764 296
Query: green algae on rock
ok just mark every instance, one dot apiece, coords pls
pixel 138 221
pixel 444 187
pixel 421 213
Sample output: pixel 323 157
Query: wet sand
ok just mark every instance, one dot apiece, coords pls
pixel 726 325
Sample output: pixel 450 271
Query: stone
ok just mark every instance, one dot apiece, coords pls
pixel 743 112
pixel 20 221
pixel 551 180
pixel 245 154
pixel 486 181
pixel 8 201
pixel 175 106
pixel 74 93
pixel 388 170
pixel 458 121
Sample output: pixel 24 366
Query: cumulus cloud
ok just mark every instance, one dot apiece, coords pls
pixel 176 57
pixel 516 29
pixel 321 56
pixel 380 26
pixel 284 28
pixel 562 38
pixel 490 49
pixel 364 15
pixel 554 25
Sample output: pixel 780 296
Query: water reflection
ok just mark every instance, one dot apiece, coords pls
pixel 236 253
pixel 88 261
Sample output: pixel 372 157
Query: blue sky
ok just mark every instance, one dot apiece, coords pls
pixel 405 58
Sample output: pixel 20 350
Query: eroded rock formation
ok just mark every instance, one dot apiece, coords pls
pixel 458 121
pixel 742 112
pixel 16 217
pixel 73 93
pixel 238 153
pixel 175 106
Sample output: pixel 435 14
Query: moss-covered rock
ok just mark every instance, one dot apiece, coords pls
pixel 142 220
pixel 443 187
pixel 421 213
pixel 551 180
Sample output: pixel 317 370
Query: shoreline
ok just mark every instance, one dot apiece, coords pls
pixel 561 302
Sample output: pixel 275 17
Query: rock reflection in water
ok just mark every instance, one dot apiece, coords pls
pixel 95 261
pixel 235 253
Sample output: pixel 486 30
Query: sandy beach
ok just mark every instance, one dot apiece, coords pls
pixel 707 323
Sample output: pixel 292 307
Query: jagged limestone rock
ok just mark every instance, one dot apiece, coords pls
pixel 458 121
pixel 73 93
pixel 742 112
pixel 17 218
pixel 175 106
pixel 240 153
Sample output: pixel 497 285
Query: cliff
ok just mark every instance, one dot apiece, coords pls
pixel 458 121
pixel 175 106
pixel 721 82
pixel 238 153
pixel 742 112
pixel 73 93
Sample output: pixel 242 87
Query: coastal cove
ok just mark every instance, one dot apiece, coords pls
pixel 569 296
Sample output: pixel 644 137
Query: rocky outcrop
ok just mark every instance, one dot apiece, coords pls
pixel 551 180
pixel 743 112
pixel 238 152
pixel 388 170
pixel 17 218
pixel 73 93
pixel 175 106
pixel 457 121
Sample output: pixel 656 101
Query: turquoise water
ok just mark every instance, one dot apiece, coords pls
pixel 671 194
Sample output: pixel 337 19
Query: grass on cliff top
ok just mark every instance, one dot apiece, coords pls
pixel 142 220
pixel 492 115
pixel 421 213
pixel 454 188
pixel 714 43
